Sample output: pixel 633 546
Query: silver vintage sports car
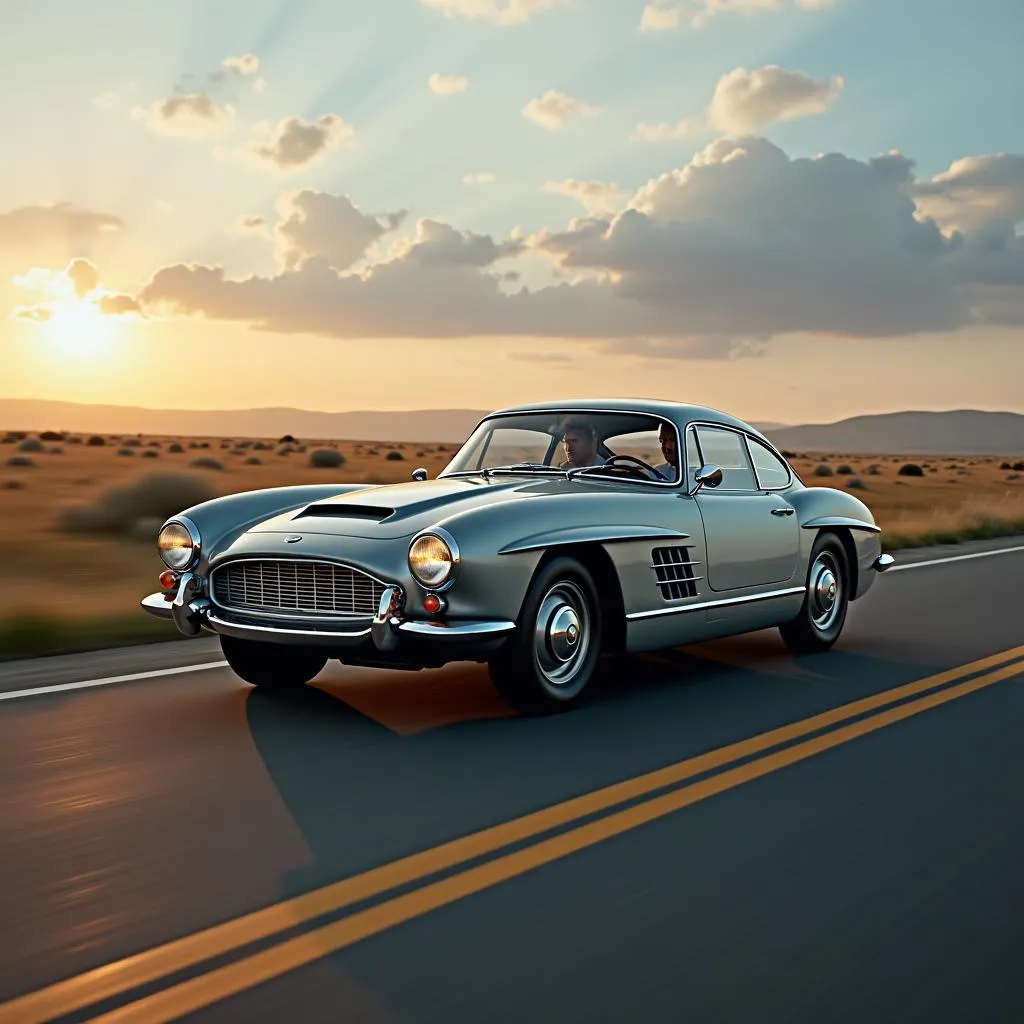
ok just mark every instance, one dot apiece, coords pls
pixel 559 532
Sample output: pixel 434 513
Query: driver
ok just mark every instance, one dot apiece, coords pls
pixel 580 440
pixel 669 469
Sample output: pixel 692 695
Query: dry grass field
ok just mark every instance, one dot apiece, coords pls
pixel 78 513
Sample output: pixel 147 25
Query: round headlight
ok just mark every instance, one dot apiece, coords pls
pixel 176 545
pixel 431 560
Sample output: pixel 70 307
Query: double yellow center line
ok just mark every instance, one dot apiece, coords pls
pixel 173 1002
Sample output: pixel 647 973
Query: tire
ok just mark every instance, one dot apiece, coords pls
pixel 545 666
pixel 272 666
pixel 823 614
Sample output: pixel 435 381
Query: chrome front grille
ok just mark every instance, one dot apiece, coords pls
pixel 296 587
pixel 673 572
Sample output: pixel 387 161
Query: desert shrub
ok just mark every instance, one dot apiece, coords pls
pixel 56 450
pixel 125 451
pixel 207 462
pixel 873 470
pixel 301 448
pixel 844 470
pixel 132 442
pixel 176 447
pixel 154 496
pixel 74 439
pixel 150 454
pixel 153 444
pixel 822 470
pixel 31 444
pixel 254 460
pixel 287 439
pixel 1018 466
pixel 286 450
pixel 910 469
pixel 15 435
pixel 1013 476
pixel 258 446
pixel 14 485
pixel 22 461
pixel 856 484
pixel 52 435
pixel 373 478
pixel 96 441
pixel 326 458
pixel 395 457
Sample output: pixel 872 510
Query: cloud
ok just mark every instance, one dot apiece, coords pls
pixel 31 228
pixel 539 357
pixel 709 260
pixel 294 143
pixel 501 12
pixel 246 64
pixel 319 226
pixel 76 285
pixel 447 85
pixel 479 178
pixel 745 100
pixel 665 131
pixel 596 197
pixel 665 15
pixel 195 115
pixel 553 108
pixel 975 192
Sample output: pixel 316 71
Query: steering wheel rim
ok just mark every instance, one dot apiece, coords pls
pixel 611 460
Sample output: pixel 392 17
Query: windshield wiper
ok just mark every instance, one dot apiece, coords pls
pixel 527 467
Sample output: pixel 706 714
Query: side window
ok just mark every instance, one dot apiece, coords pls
pixel 771 470
pixel 725 448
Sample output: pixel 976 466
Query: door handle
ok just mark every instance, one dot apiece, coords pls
pixel 787 511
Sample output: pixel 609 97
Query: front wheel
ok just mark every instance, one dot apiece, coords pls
pixel 546 665
pixel 823 614
pixel 271 666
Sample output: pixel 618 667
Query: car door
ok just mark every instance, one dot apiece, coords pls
pixel 751 531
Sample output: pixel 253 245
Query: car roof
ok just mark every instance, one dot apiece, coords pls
pixel 680 412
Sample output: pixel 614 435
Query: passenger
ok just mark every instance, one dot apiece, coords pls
pixel 669 469
pixel 580 440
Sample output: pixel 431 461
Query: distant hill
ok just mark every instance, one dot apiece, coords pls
pixel 966 432
pixel 440 425
pixel 957 432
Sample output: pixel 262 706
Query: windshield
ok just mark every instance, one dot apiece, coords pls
pixel 621 445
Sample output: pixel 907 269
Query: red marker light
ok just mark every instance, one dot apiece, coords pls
pixel 432 604
pixel 168 579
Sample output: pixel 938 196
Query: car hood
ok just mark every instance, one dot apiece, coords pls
pixel 399 510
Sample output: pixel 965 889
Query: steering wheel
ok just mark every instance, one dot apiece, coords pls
pixel 635 464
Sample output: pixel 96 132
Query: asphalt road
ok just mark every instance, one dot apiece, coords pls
pixel 864 866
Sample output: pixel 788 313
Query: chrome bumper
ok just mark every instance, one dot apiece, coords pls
pixel 389 626
pixel 882 562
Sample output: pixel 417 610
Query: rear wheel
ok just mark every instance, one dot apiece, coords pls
pixel 823 613
pixel 272 666
pixel 548 662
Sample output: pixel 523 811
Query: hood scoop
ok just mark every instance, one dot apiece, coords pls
pixel 344 510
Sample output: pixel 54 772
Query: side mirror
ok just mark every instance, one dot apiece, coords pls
pixel 707 476
pixel 419 474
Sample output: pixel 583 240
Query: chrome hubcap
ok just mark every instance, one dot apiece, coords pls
pixel 825 590
pixel 562 633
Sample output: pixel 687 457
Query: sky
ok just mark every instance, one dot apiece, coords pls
pixel 791 210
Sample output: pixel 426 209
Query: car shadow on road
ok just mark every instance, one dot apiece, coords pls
pixel 363 792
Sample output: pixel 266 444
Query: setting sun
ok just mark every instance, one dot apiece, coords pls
pixel 78 328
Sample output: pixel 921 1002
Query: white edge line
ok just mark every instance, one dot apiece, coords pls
pixel 86 684
pixel 952 558
pixel 38 691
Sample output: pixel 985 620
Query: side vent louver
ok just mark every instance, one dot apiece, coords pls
pixel 674 573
